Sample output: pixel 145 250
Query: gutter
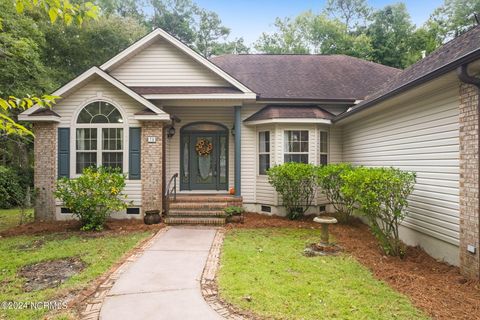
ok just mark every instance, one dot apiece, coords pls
pixel 464 60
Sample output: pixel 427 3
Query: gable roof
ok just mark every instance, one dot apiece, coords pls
pixel 271 112
pixel 86 76
pixel 306 77
pixel 461 50
pixel 159 33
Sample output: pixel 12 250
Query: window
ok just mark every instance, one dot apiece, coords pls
pixel 296 146
pixel 323 148
pixel 99 137
pixel 263 152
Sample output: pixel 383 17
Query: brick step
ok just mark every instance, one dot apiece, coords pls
pixel 196 213
pixel 208 198
pixel 195 220
pixel 198 205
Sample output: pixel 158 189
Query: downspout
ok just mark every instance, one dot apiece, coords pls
pixel 464 77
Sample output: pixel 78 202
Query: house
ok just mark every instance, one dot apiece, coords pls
pixel 175 121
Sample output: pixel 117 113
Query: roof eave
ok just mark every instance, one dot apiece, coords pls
pixel 472 56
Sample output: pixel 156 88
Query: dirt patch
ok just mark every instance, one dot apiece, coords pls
pixel 435 287
pixel 73 228
pixel 50 274
pixel 33 245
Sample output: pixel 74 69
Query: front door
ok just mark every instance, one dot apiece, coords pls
pixel 204 163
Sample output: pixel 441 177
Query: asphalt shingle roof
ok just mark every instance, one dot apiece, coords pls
pixel 306 77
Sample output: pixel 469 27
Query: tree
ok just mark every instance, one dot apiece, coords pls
pixel 70 50
pixel 291 36
pixel 56 9
pixel 177 17
pixel 122 8
pixel 237 46
pixel 352 13
pixel 391 32
pixel 453 18
pixel 332 37
pixel 210 30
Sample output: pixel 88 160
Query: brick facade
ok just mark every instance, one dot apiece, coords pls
pixel 151 171
pixel 469 181
pixel 45 150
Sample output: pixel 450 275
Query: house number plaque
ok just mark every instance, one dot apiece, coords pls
pixel 151 139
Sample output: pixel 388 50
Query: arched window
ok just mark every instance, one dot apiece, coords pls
pixel 99 137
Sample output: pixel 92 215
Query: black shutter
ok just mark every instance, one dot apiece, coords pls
pixel 134 156
pixel 64 152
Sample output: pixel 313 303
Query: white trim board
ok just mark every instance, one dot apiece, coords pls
pixel 161 115
pixel 287 120
pixel 152 36
pixel 214 96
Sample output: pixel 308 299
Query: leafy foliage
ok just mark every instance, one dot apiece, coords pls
pixel 297 184
pixel 391 32
pixel 453 18
pixel 381 195
pixel 330 181
pixel 64 10
pixel 233 211
pixel 93 196
pixel 11 192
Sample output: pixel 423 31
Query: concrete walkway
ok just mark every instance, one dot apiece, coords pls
pixel 164 283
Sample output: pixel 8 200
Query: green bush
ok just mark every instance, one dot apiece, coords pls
pixel 233 211
pixel 381 195
pixel 93 196
pixel 331 182
pixel 12 194
pixel 297 184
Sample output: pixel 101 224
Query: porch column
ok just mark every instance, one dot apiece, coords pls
pixel 238 148
pixel 45 174
pixel 469 181
pixel 151 165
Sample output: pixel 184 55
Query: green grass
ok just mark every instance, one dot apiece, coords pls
pixel 99 254
pixel 10 218
pixel 267 265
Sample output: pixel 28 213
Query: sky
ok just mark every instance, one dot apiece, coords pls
pixel 249 18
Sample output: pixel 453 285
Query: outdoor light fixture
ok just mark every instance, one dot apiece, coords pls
pixel 170 131
pixel 232 131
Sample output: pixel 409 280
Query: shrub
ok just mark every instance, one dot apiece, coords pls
pixel 297 184
pixel 11 192
pixel 381 194
pixel 233 211
pixel 331 182
pixel 93 196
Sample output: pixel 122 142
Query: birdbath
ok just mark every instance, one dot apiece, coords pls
pixel 325 221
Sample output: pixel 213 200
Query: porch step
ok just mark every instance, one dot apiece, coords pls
pixel 195 220
pixel 200 209
pixel 198 205
pixel 208 198
pixel 196 213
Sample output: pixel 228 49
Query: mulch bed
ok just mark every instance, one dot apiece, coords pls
pixel 73 227
pixel 435 287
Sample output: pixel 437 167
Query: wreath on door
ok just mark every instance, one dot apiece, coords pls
pixel 203 147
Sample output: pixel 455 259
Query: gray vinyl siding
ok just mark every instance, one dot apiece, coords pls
pixel 421 135
pixel 162 64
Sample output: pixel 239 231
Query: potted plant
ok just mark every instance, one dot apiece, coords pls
pixel 234 214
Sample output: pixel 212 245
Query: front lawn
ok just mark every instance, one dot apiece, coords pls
pixel 10 218
pixel 95 252
pixel 264 271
